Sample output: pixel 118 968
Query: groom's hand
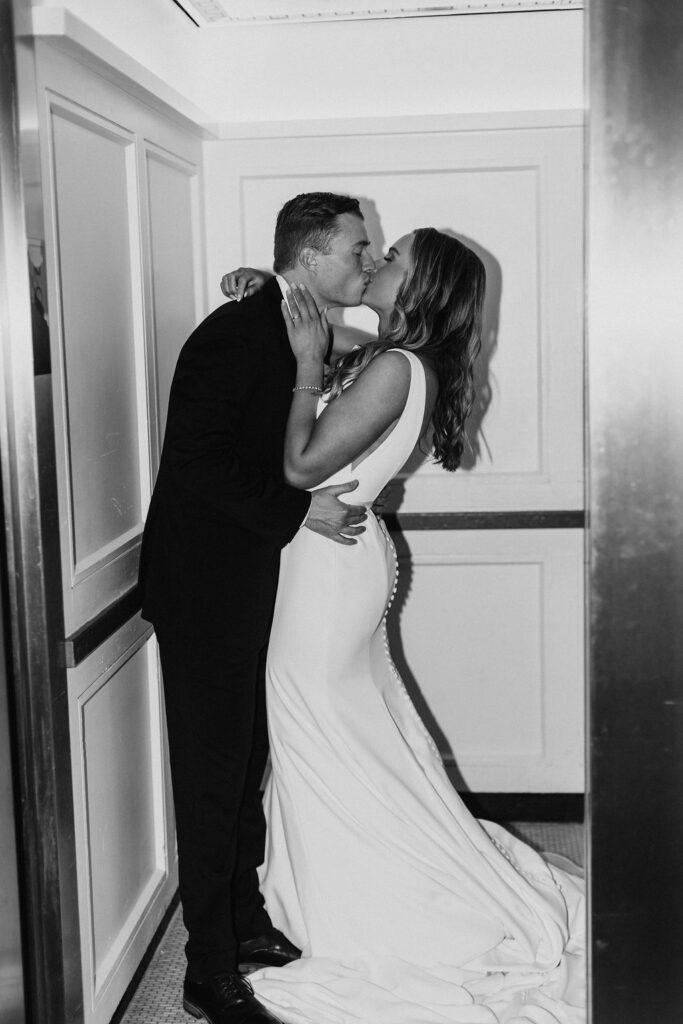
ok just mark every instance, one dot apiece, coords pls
pixel 333 518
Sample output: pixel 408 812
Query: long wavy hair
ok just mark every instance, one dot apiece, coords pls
pixel 437 313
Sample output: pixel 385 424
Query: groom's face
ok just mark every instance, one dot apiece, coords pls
pixel 343 273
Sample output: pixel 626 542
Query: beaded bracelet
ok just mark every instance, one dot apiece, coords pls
pixel 308 387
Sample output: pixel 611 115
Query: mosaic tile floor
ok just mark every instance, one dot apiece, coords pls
pixel 158 996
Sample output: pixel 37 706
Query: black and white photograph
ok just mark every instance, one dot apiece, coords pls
pixel 341 571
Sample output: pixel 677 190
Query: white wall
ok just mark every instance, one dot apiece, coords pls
pixel 124 253
pixel 473 124
pixel 248 73
pixel 490 620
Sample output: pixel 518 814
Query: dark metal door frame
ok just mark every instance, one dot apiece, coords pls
pixel 635 461
pixel 49 901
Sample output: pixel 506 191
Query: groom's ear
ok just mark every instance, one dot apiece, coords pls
pixel 308 259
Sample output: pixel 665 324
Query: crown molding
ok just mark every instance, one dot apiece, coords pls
pixel 68 33
pixel 402 124
pixel 230 13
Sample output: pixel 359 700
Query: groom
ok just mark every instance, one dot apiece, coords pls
pixel 220 513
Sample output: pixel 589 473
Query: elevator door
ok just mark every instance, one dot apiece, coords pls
pixel 120 184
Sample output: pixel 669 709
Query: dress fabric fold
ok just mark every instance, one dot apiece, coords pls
pixel 407 908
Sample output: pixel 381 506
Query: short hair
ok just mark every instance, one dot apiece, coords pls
pixel 309 219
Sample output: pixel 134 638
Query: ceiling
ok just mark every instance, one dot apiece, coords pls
pixel 224 13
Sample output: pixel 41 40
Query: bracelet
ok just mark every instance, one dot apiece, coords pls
pixel 308 387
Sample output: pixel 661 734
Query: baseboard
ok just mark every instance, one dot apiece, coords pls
pixel 505 807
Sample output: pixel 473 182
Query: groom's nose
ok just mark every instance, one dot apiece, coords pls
pixel 368 263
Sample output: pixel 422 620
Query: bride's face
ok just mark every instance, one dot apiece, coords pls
pixel 390 273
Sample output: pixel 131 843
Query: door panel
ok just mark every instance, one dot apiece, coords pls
pixel 102 354
pixel 175 260
pixel 125 851
pixel 124 269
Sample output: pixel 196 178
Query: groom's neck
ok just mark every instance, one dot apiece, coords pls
pixel 299 277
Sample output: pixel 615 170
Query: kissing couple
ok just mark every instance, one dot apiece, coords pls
pixel 360 890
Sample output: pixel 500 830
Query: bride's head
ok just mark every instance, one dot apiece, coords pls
pixel 428 292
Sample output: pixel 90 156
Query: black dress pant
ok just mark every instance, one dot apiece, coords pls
pixel 218 744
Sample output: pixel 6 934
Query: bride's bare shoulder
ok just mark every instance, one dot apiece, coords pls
pixel 388 367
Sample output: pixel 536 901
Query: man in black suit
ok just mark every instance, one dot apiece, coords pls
pixel 220 513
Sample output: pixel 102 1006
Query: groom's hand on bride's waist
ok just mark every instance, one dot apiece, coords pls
pixel 333 518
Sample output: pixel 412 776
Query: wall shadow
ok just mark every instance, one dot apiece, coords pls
pixel 473 452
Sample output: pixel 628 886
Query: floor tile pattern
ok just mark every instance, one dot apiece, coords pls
pixel 158 999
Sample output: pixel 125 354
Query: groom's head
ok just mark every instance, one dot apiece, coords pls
pixel 321 241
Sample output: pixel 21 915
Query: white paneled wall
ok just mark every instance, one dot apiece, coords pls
pixel 504 682
pixel 174 245
pixel 124 254
pixel 516 197
pixel 250 74
pixel 124 827
pixel 487 631
pixel 470 124
pixel 103 429
pixel 124 247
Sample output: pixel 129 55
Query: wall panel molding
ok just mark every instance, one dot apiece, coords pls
pixel 400 124
pixel 487 631
pixel 515 194
pixel 173 271
pixel 99 237
pixel 106 217
pixel 125 847
pixel 101 431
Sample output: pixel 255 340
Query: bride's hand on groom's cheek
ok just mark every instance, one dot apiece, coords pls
pixel 307 327
pixel 243 282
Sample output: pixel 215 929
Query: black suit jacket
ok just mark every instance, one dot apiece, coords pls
pixel 221 510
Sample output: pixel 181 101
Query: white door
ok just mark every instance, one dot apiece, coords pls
pixel 121 185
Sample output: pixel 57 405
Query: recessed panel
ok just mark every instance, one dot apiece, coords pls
pixel 94 184
pixel 120 737
pixel 495 210
pixel 514 195
pixel 487 632
pixel 481 673
pixel 172 257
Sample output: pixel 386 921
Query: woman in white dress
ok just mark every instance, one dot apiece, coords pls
pixel 407 909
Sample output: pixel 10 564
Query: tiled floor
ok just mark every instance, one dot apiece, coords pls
pixel 158 997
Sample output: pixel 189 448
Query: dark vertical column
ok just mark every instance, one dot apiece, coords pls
pixel 36 682
pixel 635 454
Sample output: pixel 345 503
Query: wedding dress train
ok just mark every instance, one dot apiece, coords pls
pixel 408 910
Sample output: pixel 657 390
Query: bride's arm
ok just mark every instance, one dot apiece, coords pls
pixel 349 425
pixel 346 339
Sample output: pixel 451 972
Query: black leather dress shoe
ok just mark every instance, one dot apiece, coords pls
pixel 272 949
pixel 225 999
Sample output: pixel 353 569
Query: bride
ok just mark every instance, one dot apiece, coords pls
pixel 406 908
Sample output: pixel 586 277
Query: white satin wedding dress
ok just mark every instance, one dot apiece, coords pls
pixel 408 910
